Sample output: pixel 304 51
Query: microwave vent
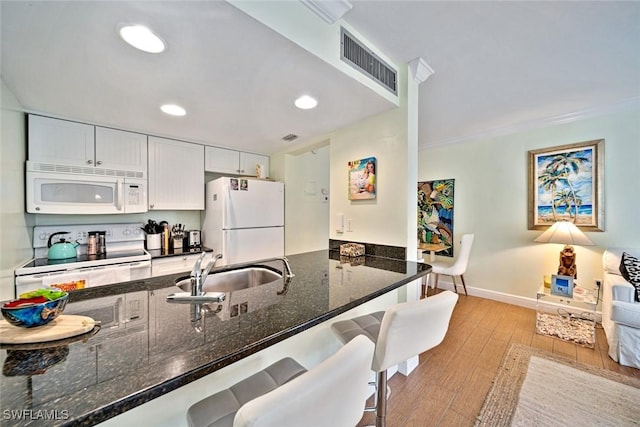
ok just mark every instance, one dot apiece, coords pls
pixel 363 59
pixel 82 170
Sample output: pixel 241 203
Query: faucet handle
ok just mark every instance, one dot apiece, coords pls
pixel 211 264
pixel 197 269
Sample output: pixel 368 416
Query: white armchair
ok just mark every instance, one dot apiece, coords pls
pixel 620 311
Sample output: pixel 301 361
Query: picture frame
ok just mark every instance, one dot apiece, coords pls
pixel 566 182
pixel 362 177
pixel 435 216
pixel 562 285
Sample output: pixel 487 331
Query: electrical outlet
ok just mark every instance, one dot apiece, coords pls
pixel 597 283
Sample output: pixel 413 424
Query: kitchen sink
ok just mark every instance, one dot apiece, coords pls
pixel 233 280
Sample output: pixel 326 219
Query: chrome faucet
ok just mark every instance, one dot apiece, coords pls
pixel 198 276
pixel 287 267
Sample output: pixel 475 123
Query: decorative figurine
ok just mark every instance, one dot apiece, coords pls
pixel 567 265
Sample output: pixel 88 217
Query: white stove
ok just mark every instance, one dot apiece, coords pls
pixel 125 259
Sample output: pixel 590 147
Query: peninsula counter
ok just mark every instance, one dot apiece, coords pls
pixel 155 349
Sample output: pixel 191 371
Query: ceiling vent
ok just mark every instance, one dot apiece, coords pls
pixel 356 54
pixel 290 137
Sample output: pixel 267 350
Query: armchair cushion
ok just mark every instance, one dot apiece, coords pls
pixel 625 313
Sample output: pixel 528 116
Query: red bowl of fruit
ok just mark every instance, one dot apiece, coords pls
pixel 35 308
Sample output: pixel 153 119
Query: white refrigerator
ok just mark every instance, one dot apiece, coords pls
pixel 244 219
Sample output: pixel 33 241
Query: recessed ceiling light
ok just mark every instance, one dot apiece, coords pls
pixel 174 110
pixel 305 102
pixel 142 38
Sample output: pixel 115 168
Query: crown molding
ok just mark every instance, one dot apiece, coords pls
pixel 329 10
pixel 420 70
pixel 624 105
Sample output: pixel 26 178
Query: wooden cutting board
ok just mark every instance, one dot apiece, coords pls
pixel 65 326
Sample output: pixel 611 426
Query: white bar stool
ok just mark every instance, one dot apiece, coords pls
pixel 403 331
pixel 333 393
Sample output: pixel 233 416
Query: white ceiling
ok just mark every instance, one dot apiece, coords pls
pixel 505 65
pixel 499 65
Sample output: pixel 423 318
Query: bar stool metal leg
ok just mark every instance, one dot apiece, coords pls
pixel 381 409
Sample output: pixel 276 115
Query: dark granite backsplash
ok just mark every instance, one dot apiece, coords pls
pixel 373 249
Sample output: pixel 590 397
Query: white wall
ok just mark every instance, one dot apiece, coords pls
pixel 384 136
pixel 491 200
pixel 15 239
pixel 380 220
pixel 306 214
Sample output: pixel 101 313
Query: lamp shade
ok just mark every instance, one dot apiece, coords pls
pixel 564 232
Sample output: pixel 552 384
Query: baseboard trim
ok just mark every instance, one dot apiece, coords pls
pixel 500 296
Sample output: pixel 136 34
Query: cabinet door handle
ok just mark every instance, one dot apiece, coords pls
pixel 99 162
pixel 89 162
pixel 151 206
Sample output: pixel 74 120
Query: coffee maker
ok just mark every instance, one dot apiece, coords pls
pixel 193 238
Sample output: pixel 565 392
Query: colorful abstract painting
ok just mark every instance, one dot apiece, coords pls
pixel 435 215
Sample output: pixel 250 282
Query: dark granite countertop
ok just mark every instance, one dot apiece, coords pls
pixel 157 253
pixel 89 379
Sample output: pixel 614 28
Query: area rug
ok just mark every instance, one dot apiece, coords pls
pixel 536 388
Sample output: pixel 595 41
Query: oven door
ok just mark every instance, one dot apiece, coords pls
pixel 81 278
pixel 65 280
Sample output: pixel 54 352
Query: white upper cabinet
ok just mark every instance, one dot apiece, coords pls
pixel 222 160
pixel 249 161
pixel 118 149
pixel 72 143
pixel 61 141
pixel 176 175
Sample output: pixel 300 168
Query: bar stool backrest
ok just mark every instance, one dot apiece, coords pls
pixel 333 393
pixel 410 328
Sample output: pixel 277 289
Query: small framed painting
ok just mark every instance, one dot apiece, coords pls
pixel 562 286
pixel 566 183
pixel 362 179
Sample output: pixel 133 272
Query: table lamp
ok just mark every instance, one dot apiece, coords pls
pixel 567 233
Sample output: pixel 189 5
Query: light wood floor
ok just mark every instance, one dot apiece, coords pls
pixel 452 380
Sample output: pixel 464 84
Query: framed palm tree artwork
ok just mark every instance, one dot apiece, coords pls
pixel 566 184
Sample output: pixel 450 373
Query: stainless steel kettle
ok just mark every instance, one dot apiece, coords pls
pixel 61 249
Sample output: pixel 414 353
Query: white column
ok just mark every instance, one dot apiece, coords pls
pixel 419 71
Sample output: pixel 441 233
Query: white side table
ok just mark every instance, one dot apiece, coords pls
pixel 568 319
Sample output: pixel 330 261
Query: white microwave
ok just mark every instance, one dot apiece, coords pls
pixel 61 189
